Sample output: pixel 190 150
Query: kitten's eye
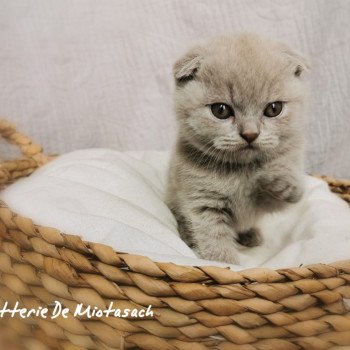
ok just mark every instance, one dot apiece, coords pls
pixel 222 110
pixel 273 109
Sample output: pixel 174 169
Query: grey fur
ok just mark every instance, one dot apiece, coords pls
pixel 218 190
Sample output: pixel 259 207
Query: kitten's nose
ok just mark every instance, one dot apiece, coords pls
pixel 249 135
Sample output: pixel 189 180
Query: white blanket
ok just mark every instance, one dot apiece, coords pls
pixel 117 199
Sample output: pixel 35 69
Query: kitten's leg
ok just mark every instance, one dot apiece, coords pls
pixel 184 229
pixel 250 238
pixel 278 186
pixel 212 233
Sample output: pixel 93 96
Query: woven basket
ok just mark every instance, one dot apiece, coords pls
pixel 194 308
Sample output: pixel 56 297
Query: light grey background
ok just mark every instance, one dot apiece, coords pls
pixel 84 73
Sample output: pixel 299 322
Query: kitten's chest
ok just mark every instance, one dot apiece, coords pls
pixel 241 191
pixel 234 192
pixel 237 186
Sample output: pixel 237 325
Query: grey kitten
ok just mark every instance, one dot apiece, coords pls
pixel 239 153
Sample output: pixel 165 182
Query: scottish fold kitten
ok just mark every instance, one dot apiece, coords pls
pixel 239 153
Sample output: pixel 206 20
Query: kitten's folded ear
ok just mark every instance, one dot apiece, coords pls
pixel 300 62
pixel 186 67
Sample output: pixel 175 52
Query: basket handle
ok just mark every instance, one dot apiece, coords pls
pixel 33 156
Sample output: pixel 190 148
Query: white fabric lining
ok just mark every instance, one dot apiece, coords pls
pixel 116 198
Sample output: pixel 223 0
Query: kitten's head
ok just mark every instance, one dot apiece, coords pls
pixel 241 97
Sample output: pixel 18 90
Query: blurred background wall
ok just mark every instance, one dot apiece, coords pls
pixel 84 73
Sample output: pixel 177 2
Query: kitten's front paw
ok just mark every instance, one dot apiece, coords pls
pixel 218 250
pixel 250 238
pixel 281 187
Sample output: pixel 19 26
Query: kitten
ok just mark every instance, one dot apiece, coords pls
pixel 239 153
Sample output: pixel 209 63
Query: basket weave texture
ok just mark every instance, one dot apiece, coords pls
pixel 195 308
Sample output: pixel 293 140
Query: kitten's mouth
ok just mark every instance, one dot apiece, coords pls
pixel 248 147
